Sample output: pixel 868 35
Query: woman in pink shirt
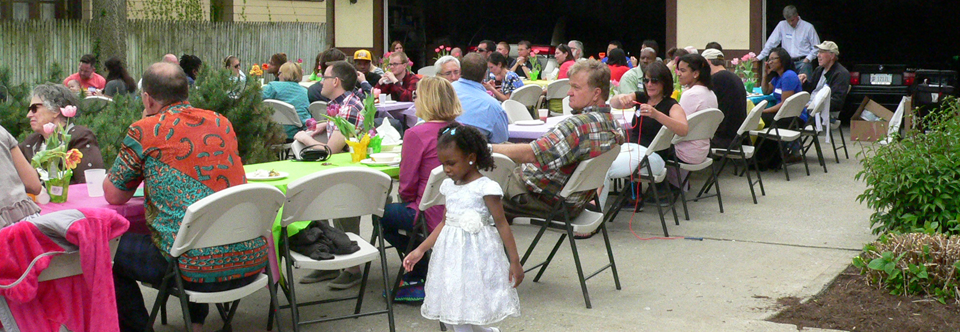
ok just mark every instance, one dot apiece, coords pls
pixel 437 104
pixel 693 72
pixel 565 59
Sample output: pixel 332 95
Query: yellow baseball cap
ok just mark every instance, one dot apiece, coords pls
pixel 362 55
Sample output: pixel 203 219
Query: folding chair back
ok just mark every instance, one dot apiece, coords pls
pixel 662 141
pixel 567 110
pixel 320 196
pixel 94 104
pixel 431 193
pixel 558 89
pixel 427 71
pixel 897 119
pixel 528 95
pixel 515 111
pixel 236 214
pixel 793 106
pixel 753 119
pixel 819 103
pixel 284 113
pixel 702 125
pixel 549 67
pixel 591 173
pixel 318 109
pixel 503 170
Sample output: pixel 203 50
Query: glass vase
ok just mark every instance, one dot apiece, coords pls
pixel 58 188
pixel 534 75
pixel 749 86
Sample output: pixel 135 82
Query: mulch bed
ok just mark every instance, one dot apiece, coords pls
pixel 853 305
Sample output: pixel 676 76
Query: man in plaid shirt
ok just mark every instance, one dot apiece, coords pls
pixel 547 163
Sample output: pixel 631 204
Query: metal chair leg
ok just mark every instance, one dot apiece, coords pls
pixel 576 260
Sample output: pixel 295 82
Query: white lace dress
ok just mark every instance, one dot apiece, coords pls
pixel 469 277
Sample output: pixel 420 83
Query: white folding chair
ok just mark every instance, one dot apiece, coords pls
pixel 741 153
pixel 567 110
pixel 320 196
pixel 810 131
pixel 236 214
pixel 318 109
pixel 515 111
pixel 556 91
pixel 588 176
pixel 791 108
pixel 893 127
pixel 427 71
pixel 702 126
pixel 528 95
pixel 94 104
pixel 660 142
pixel 284 114
pixel 549 67
pixel 836 124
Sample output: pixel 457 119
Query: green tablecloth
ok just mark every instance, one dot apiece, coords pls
pixel 299 169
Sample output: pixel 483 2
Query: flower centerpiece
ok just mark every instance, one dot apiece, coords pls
pixel 534 65
pixel 743 67
pixel 677 87
pixel 441 52
pixel 55 163
pixel 360 140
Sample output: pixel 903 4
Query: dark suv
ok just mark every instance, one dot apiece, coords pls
pixel 885 84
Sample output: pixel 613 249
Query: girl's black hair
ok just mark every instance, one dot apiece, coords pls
pixel 468 140
pixel 115 70
pixel 696 62
pixel 785 61
pixel 617 57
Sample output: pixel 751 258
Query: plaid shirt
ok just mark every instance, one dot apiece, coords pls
pixel 354 110
pixel 559 151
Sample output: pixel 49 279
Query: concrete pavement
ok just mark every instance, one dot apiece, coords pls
pixel 799 237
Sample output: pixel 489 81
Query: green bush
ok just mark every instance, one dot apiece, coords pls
pixel 913 184
pixel 13 110
pixel 915 264
pixel 110 122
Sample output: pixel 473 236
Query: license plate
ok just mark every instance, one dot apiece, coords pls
pixel 881 79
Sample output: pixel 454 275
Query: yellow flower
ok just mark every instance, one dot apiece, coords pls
pixel 72 159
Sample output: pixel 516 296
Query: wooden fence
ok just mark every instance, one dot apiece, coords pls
pixel 29 48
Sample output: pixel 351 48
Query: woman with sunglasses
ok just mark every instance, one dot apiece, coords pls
pixel 45 104
pixel 655 109
pixel 232 63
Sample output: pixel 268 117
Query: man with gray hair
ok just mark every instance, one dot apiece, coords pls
pixel 448 67
pixel 577 48
pixel 796 36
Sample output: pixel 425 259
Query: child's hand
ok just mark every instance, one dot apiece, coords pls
pixel 516 273
pixel 413 257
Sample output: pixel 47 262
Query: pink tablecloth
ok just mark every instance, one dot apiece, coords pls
pixel 78 198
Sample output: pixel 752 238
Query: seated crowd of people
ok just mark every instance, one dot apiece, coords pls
pixel 467 89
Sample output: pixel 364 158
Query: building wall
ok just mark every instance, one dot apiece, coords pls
pixel 724 21
pixel 279 11
pixel 354 23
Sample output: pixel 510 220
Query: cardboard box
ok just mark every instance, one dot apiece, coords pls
pixel 872 131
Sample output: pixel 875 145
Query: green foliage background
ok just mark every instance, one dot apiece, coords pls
pixel 239 102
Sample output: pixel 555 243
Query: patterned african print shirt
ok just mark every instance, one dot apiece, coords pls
pixel 183 154
pixel 559 151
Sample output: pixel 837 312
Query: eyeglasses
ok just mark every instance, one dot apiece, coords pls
pixel 450 73
pixel 653 80
pixel 396 64
pixel 481 50
pixel 33 107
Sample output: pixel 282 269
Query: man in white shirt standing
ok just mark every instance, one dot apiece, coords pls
pixel 796 36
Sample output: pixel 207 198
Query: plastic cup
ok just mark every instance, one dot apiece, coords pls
pixel 544 113
pixel 94 179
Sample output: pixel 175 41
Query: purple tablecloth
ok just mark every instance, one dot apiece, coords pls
pixel 78 197
pixel 520 133
pixel 403 111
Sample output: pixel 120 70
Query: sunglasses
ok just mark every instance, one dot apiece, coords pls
pixel 33 107
pixel 650 80
pixel 481 50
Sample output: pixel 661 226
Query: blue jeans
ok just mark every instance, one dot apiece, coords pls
pixel 138 259
pixel 396 217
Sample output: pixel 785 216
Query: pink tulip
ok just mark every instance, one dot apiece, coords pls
pixel 441 46
pixel 49 128
pixel 312 124
pixel 299 60
pixel 745 58
pixel 437 50
pixel 69 111
pixel 752 55
pixel 376 92
pixel 735 61
pixel 448 48
pixel 410 63
pixel 372 132
pixel 332 110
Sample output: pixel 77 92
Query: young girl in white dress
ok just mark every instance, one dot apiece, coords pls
pixel 471 281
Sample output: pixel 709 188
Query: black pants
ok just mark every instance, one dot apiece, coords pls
pixel 138 259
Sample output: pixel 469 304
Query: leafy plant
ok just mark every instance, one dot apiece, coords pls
pixel 913 183
pixel 109 122
pixel 13 109
pixel 914 263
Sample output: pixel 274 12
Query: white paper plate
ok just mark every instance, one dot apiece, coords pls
pixel 389 102
pixel 529 122
pixel 253 176
pixel 370 162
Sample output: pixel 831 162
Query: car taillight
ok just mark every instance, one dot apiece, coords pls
pixel 908 78
pixel 855 78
